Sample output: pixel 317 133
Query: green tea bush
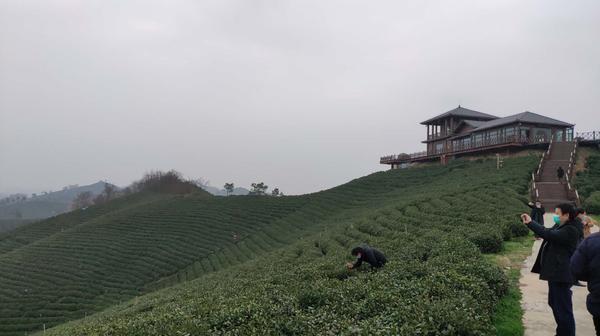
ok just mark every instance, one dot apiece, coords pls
pixel 587 183
pixel 592 203
pixel 487 241
pixel 588 180
pixel 515 228
pixel 275 266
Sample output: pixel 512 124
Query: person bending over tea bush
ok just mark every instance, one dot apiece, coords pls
pixel 369 255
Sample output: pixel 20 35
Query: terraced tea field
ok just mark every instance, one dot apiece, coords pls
pixel 273 265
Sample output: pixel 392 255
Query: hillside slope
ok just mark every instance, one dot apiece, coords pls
pixel 429 221
pixel 47 205
pixel 11 224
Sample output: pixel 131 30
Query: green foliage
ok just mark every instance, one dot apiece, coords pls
pixel 487 241
pixel 267 265
pixel 588 181
pixel 592 203
pixel 516 229
pixel 9 224
pixel 509 313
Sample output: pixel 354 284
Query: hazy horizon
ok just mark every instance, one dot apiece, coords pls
pixel 303 96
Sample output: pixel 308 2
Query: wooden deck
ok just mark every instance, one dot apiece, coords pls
pixel 483 147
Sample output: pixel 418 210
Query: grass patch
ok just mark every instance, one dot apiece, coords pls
pixel 508 317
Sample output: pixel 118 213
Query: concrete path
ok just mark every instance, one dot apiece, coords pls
pixel 537 318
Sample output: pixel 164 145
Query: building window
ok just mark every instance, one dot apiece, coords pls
pixel 541 134
pixel 569 134
pixel 509 133
pixel 558 137
pixel 493 137
pixel 439 147
pixel 524 134
pixel 478 140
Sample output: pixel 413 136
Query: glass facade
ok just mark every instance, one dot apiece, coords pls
pixel 439 147
pixel 569 134
pixel 541 135
pixel 516 133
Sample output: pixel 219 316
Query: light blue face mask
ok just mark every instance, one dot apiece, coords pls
pixel 556 219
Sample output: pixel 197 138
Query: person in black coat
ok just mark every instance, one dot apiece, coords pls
pixel 552 263
pixel 585 266
pixel 560 173
pixel 365 253
pixel 537 213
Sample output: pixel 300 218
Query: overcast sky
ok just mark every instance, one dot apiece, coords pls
pixel 303 95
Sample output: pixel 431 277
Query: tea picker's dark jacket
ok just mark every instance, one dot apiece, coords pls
pixel 585 265
pixel 371 256
pixel 560 242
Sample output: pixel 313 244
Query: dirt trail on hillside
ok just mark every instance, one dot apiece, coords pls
pixel 537 318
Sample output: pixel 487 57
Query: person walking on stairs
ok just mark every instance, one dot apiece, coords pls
pixel 552 263
pixel 585 266
pixel 560 173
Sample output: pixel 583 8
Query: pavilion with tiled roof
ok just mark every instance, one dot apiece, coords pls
pixel 462 131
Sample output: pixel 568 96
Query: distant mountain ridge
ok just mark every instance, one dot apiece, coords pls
pixel 48 204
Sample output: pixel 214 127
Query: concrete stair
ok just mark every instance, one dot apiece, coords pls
pixel 552 191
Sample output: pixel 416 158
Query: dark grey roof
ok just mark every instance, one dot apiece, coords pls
pixel 474 123
pixel 525 117
pixel 462 112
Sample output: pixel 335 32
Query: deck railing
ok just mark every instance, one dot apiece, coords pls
pixel 403 156
pixel 487 142
pixel 588 136
pixel 478 144
pixel 434 136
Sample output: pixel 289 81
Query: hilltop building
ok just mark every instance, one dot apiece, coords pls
pixel 462 131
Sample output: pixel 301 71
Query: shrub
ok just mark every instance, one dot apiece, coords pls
pixel 487 241
pixel 592 203
pixel 166 182
pixel 517 229
pixel 311 299
pixel 588 181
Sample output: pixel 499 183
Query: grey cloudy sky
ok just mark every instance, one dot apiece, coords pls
pixel 303 95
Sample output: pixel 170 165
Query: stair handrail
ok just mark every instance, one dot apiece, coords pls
pixel 539 170
pixel 568 175
pixel 534 190
pixel 535 194
pixel 545 156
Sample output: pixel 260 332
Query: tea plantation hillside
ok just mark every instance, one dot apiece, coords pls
pixel 10 224
pixel 432 222
pixel 587 183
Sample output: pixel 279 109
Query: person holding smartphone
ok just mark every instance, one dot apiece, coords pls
pixel 553 263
